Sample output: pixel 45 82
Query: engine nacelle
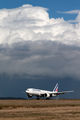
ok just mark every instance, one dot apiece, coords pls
pixel 29 95
pixel 47 95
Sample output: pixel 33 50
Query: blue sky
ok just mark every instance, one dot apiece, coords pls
pixel 52 5
pixel 39 47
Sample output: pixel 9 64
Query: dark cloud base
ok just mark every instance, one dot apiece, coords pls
pixel 40 58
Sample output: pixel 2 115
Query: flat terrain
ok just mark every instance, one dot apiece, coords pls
pixel 39 109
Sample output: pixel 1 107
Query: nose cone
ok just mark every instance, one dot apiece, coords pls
pixel 27 91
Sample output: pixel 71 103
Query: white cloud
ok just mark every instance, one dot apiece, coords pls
pixel 70 12
pixel 33 23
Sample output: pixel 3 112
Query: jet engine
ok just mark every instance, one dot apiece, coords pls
pixel 47 95
pixel 29 95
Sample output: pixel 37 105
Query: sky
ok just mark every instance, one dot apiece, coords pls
pixel 39 46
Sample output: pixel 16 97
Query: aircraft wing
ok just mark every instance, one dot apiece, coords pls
pixel 64 92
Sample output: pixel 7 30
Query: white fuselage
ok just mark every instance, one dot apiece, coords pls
pixel 38 92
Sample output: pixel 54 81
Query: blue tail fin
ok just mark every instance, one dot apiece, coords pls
pixel 56 88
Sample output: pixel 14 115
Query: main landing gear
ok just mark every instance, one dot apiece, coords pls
pixel 37 98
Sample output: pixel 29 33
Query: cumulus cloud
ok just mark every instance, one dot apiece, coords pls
pixel 32 44
pixel 33 23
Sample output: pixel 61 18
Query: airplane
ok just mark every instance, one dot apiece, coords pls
pixel 44 93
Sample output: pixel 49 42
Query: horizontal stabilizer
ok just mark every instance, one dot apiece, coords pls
pixel 64 92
